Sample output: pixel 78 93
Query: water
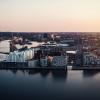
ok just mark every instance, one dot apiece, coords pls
pixel 49 85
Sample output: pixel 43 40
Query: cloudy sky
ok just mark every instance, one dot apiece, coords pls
pixel 50 15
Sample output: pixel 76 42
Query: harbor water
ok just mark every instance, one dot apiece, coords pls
pixel 49 85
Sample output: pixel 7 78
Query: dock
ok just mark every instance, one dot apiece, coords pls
pixel 24 65
pixel 35 68
pixel 86 68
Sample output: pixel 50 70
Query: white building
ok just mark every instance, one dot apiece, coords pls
pixel 20 56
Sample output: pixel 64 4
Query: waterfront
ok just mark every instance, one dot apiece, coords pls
pixel 49 85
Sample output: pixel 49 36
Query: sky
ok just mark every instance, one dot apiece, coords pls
pixel 50 15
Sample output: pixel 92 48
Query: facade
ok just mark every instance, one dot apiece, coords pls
pixel 91 59
pixel 79 59
pixel 33 63
pixel 59 61
pixel 44 62
pixel 20 56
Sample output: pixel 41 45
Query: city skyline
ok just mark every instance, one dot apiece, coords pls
pixel 50 15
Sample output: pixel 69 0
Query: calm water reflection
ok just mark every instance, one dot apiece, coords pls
pixel 49 85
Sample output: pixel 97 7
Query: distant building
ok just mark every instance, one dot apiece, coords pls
pixel 79 59
pixel 90 59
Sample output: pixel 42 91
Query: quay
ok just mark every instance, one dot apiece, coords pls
pixel 35 68
pixel 86 68
pixel 24 66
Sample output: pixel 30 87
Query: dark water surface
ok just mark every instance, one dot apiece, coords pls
pixel 49 85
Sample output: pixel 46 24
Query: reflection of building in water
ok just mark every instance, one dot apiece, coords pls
pixel 32 72
pixel 55 74
pixel 44 73
pixel 90 73
pixel 59 75
pixel 14 71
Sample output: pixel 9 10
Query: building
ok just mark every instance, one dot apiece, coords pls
pixel 90 59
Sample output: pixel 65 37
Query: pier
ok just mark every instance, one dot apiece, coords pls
pixel 86 68
pixel 24 66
